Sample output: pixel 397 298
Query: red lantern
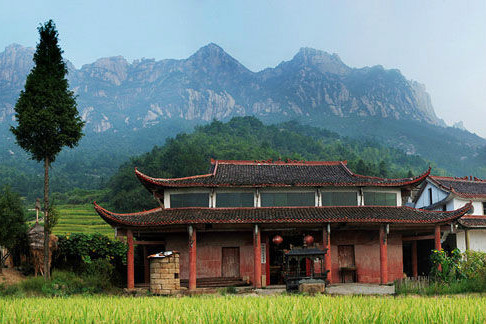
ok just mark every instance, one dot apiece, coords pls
pixel 277 239
pixel 308 240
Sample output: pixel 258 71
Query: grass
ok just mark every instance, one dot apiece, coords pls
pixel 462 286
pixel 80 219
pixel 240 309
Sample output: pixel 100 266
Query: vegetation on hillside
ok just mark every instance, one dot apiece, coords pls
pixel 247 138
pixel 80 218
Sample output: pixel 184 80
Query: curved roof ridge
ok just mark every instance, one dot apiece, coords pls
pixel 155 180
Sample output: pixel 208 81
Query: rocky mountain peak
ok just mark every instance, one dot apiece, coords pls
pixel 323 61
pixel 113 69
pixel 15 63
pixel 212 56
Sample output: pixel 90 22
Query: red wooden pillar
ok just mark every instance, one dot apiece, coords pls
pixel 267 259
pixel 438 245
pixel 146 265
pixel 414 259
pixel 257 253
pixel 130 263
pixel 192 258
pixel 326 235
pixel 383 255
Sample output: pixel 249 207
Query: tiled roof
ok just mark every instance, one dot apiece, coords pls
pixel 473 221
pixel 224 173
pixel 251 215
pixel 467 187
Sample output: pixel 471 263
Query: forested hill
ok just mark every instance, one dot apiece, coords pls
pixel 247 138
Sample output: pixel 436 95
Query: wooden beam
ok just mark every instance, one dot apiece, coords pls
pixel 149 242
pixel 418 238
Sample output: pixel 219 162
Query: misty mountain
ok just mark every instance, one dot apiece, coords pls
pixel 115 95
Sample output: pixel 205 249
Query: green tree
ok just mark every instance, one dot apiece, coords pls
pixel 46 113
pixel 12 225
pixel 383 169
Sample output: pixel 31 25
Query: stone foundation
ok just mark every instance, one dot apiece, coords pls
pixel 164 273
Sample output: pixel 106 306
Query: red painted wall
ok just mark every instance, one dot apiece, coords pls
pixel 209 252
pixel 367 255
pixel 366 243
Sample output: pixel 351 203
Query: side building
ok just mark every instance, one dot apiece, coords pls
pixel 450 193
pixel 240 219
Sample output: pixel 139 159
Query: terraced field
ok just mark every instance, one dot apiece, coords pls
pixel 80 219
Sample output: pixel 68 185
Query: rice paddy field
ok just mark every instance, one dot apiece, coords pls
pixel 244 309
pixel 80 219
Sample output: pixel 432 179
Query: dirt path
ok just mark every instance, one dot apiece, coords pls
pixel 11 276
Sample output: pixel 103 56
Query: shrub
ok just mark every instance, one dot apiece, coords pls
pixel 474 265
pixel 92 255
pixel 459 273
pixel 446 267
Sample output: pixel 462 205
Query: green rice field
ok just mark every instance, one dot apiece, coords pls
pixel 80 219
pixel 244 309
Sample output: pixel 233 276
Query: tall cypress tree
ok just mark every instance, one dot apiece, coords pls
pixel 47 114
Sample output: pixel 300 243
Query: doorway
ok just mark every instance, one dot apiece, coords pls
pixel 347 266
pixel 230 262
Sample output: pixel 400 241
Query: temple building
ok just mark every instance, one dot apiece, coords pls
pixel 236 223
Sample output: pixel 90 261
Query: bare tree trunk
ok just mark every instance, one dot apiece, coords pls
pixel 47 273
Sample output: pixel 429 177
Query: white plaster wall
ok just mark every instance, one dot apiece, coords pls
pixel 477 240
pixel 450 205
pixel 437 195
pixel 478 206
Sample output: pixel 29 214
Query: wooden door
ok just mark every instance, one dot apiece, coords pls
pixel 230 262
pixel 347 265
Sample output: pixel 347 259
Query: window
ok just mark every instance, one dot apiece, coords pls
pixel 339 198
pixel 234 199
pixel 431 200
pixel 275 199
pixel 189 200
pixel 380 199
pixel 484 208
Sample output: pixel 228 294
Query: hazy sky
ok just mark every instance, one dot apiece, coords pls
pixel 439 43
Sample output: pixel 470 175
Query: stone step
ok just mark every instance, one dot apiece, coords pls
pixel 215 282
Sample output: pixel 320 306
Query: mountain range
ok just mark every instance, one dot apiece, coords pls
pixel 115 95
pixel 131 106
